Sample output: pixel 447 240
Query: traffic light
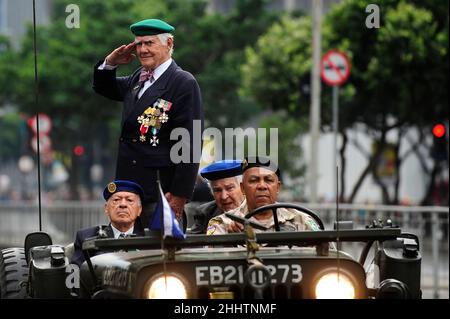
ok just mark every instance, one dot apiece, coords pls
pixel 78 150
pixel 439 151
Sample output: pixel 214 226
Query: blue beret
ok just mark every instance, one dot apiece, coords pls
pixel 122 186
pixel 151 27
pixel 259 161
pixel 222 169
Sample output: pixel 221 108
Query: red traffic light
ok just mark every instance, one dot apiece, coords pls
pixel 439 130
pixel 78 150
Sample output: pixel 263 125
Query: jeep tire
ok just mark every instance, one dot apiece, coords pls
pixel 13 273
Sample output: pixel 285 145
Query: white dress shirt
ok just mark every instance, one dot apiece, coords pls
pixel 156 73
pixel 118 232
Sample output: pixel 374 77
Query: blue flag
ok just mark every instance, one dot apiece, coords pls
pixel 171 227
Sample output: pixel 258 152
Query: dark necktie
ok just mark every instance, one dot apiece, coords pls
pixel 122 235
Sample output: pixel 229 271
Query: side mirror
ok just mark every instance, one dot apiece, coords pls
pixel 36 239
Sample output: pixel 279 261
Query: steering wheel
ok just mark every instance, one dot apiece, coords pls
pixel 274 207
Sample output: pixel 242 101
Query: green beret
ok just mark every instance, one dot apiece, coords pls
pixel 151 27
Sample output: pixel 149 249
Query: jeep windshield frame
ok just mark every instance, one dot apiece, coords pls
pixel 303 238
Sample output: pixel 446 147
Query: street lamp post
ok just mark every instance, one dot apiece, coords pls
pixel 315 99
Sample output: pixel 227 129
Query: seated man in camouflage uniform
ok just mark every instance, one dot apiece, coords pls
pixel 261 185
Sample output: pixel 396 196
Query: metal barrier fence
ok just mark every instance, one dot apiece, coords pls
pixel 62 219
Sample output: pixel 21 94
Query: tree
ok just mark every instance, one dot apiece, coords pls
pixel 273 74
pixel 11 124
pixel 208 45
pixel 396 70
pixel 275 66
pixel 290 155
pixel 8 70
pixel 65 60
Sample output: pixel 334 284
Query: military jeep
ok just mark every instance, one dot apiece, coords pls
pixel 248 265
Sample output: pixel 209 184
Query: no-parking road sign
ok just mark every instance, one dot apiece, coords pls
pixel 334 68
pixel 45 123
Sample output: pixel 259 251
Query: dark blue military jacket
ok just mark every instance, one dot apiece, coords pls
pixel 83 234
pixel 139 160
pixel 202 216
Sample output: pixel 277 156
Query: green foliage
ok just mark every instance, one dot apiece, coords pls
pixel 8 70
pixel 220 78
pixel 65 63
pixel 289 129
pixel 399 71
pixel 11 124
pixel 273 74
pixel 274 68
pixel 394 68
pixel 13 129
pixel 210 46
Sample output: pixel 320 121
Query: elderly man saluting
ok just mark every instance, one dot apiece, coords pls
pixel 261 185
pixel 123 206
pixel 158 98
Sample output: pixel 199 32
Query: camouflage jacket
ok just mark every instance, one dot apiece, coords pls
pixel 288 218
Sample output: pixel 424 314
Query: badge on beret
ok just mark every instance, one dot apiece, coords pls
pixel 112 187
pixel 244 163
pixel 153 117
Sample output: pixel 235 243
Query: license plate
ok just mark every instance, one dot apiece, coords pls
pixel 230 274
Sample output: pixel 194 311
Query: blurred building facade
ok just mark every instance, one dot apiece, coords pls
pixel 225 6
pixel 15 15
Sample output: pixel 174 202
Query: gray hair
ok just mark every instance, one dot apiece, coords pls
pixel 238 180
pixel 164 37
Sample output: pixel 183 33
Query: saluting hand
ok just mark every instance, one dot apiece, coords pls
pixel 122 55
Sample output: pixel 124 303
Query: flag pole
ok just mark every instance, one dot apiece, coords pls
pixel 161 233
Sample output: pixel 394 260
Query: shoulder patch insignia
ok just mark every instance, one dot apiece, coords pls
pixel 211 229
pixel 215 221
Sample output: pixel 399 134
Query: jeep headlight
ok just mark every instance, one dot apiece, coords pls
pixel 165 287
pixel 334 286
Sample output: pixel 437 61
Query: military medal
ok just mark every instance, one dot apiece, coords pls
pixel 143 130
pixel 154 141
pixel 153 117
